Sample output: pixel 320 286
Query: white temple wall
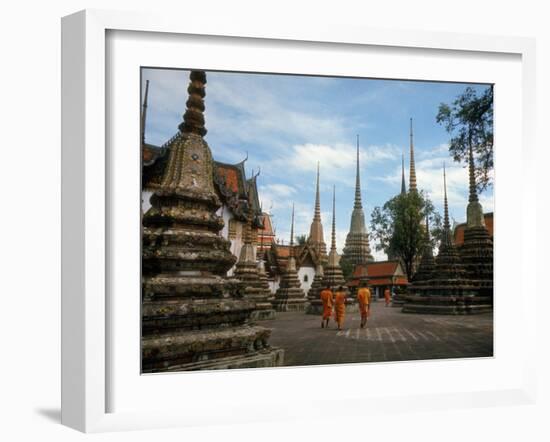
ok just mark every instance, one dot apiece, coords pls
pixel 274 284
pixel 306 275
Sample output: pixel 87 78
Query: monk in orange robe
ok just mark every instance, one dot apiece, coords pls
pixel 387 296
pixel 326 298
pixel 363 298
pixel 340 306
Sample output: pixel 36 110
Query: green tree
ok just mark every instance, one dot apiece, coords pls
pixel 301 240
pixel 398 227
pixel 469 122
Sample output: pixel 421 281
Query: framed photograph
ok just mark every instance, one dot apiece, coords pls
pixel 250 212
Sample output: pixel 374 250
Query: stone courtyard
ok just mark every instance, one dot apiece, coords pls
pixel 390 335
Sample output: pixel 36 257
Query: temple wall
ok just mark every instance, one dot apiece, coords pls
pixel 274 284
pixel 310 273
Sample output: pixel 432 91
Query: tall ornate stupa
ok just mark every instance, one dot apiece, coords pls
pixel 192 316
pixel 333 276
pixel 477 250
pixel 247 272
pixel 316 238
pixel 448 291
pixel 357 248
pixel 289 295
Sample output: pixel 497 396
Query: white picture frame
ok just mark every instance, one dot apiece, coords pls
pixel 86 357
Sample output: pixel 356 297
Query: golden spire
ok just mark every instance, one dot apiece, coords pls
pixel 317 214
pixel 412 174
pixel 357 203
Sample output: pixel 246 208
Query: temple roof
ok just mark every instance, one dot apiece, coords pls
pixel 230 179
pixel 278 255
pixel 380 273
pixel 232 176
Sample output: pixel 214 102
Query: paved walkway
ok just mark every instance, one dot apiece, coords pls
pixel 389 336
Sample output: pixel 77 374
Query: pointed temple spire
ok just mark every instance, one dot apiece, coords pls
pixel 317 214
pixel 316 237
pixel 412 173
pixel 471 170
pixel 333 231
pixel 193 119
pixel 446 224
pixel 357 248
pixel 357 203
pixel 144 112
pixel 403 186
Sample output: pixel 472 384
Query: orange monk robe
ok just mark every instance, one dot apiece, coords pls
pixel 340 307
pixel 387 296
pixel 363 298
pixel 326 297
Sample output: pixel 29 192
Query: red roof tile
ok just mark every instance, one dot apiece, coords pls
pixel 230 177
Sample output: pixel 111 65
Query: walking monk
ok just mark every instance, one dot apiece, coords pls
pixel 387 296
pixel 340 306
pixel 326 298
pixel 363 298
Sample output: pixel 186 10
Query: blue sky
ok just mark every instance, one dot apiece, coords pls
pixel 287 123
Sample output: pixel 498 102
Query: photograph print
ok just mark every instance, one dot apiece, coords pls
pixel 293 220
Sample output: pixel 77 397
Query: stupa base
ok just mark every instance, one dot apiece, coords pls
pixel 263 314
pixel 290 305
pixel 203 349
pixel 446 305
pixel 273 357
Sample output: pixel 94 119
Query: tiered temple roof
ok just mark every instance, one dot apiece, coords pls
pixel 191 316
pixel 357 249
